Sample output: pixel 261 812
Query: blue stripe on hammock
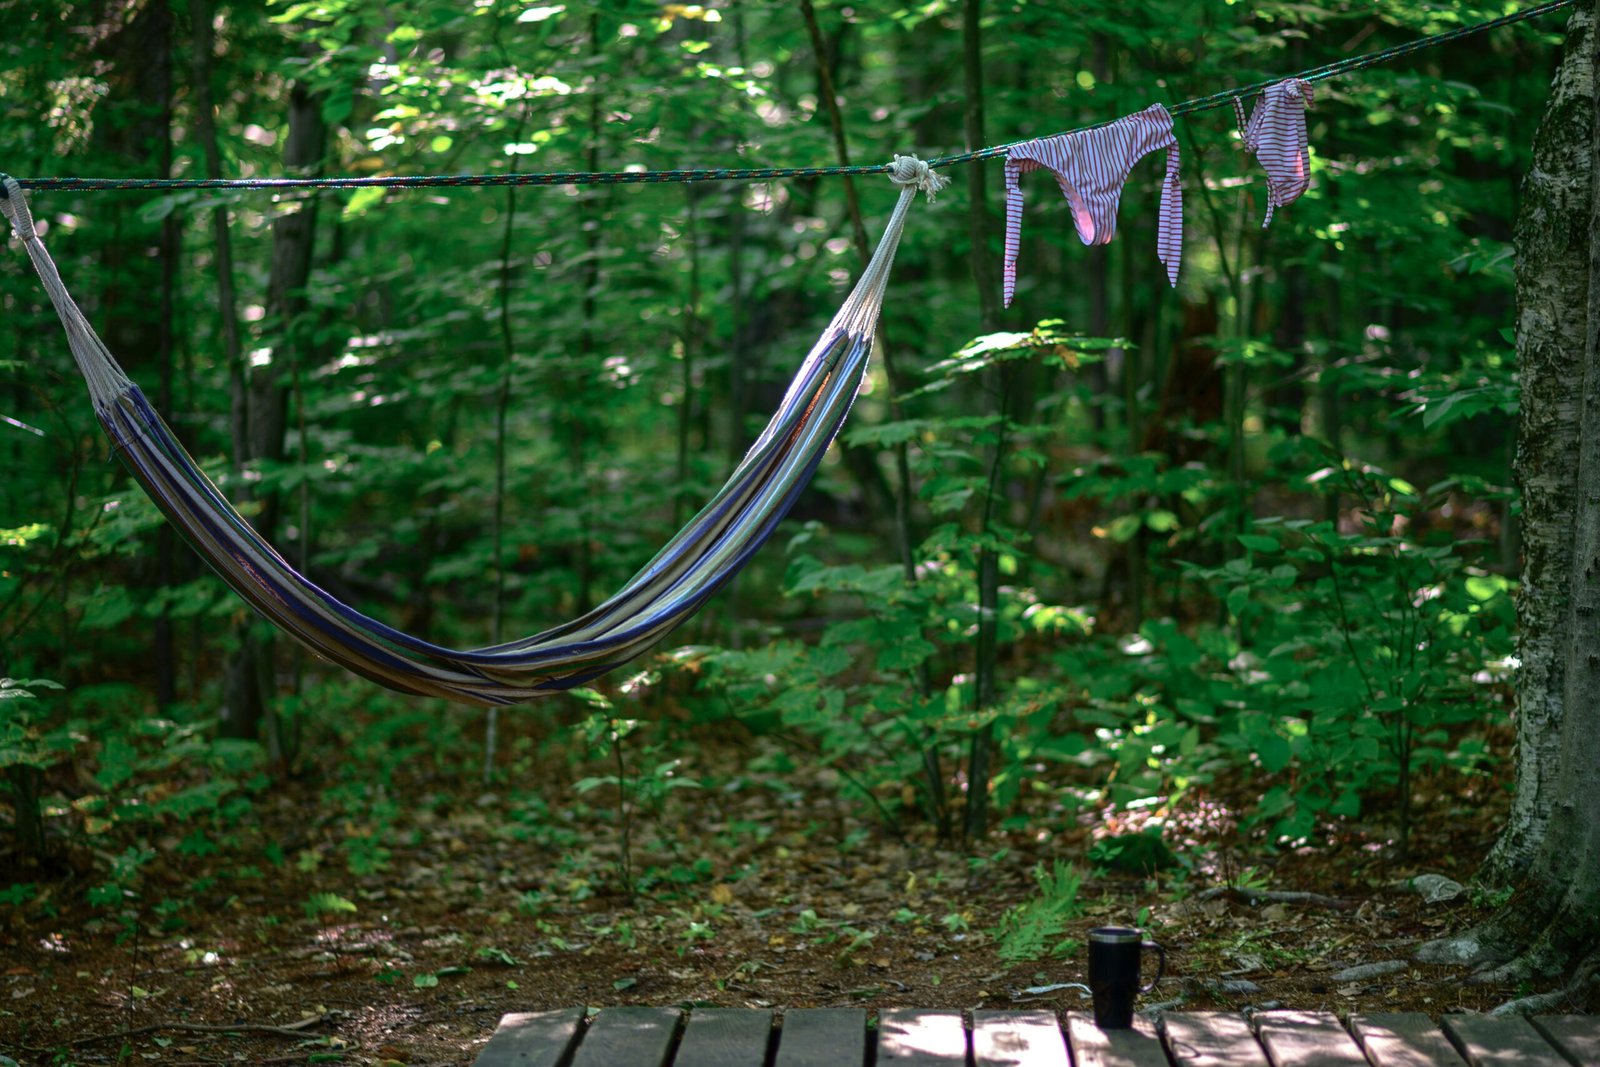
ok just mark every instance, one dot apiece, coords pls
pixel 279 600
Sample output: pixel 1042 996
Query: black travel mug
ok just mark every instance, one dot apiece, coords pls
pixel 1114 953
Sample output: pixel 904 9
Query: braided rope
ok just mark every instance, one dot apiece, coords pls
pixel 718 174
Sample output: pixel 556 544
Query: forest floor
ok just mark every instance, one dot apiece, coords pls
pixel 771 892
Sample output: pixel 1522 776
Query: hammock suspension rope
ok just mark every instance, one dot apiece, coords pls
pixel 708 551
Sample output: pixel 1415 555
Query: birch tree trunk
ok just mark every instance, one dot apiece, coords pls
pixel 1550 850
pixel 1552 254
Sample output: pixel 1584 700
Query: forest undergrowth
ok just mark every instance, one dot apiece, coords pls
pixel 405 917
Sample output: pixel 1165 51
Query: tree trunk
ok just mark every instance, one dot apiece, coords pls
pixel 1551 924
pixel 132 127
pixel 985 682
pixel 1552 254
pixel 241 691
pixel 171 246
pixel 266 389
pixel 29 814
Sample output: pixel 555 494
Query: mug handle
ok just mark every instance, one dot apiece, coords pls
pixel 1161 964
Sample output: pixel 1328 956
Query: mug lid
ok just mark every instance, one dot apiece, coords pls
pixel 1114 935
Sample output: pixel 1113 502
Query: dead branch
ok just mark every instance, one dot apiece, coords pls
pixel 1273 896
pixel 296 1029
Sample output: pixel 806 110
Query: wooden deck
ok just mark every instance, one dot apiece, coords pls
pixel 847 1037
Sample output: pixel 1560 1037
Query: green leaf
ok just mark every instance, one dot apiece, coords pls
pixel 1403 487
pixel 1274 752
pixel 594 698
pixel 1483 587
pixel 539 14
pixel 327 903
pixel 336 108
pixel 1258 543
pixel 363 200
pixel 1161 521
pixel 1122 528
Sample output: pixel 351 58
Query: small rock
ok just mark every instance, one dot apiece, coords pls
pixel 1436 888
pixel 1238 985
pixel 1369 970
pixel 1450 950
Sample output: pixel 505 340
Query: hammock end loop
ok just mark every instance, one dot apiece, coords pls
pixel 911 171
pixel 15 208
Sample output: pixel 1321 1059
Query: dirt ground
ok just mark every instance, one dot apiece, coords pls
pixel 771 896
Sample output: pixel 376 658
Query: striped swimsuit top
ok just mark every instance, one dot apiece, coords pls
pixel 1276 133
pixel 1091 167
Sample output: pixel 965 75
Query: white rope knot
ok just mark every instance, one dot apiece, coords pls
pixel 909 170
pixel 16 209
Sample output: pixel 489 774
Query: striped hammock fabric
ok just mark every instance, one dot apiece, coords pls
pixel 707 552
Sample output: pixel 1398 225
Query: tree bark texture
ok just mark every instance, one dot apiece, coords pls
pixel 1565 879
pixel 1552 242
pixel 1551 924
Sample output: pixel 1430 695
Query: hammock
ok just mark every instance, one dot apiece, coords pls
pixel 707 552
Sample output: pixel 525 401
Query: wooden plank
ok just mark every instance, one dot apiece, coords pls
pixel 1403 1039
pixel 1576 1035
pixel 1211 1039
pixel 1501 1041
pixel 638 1037
pixel 531 1039
pixel 910 1038
pixel 725 1037
pixel 823 1037
pixel 1306 1039
pixel 1017 1039
pixel 1094 1047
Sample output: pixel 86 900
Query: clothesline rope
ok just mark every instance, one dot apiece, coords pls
pixel 642 177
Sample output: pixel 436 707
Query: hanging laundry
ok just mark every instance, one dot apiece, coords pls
pixel 1091 166
pixel 1276 133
